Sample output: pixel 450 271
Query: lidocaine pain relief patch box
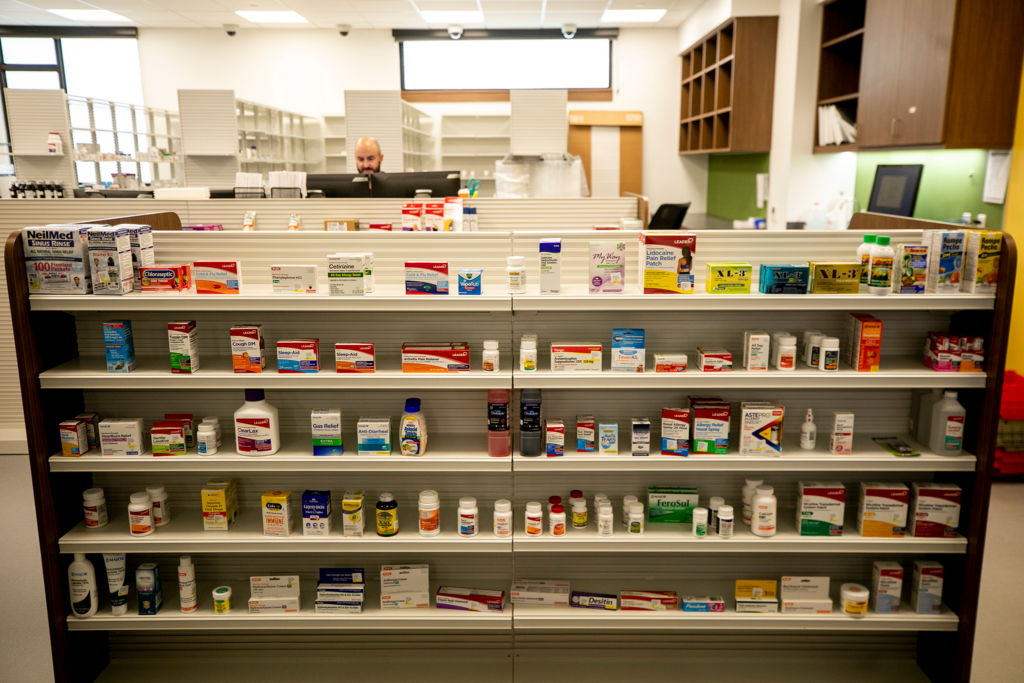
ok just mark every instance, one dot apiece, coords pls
pixel 56 260
pixel 675 431
pixel 110 255
pixel 426 277
pixel 820 508
pixel 607 267
pixel 248 351
pixel 298 355
pixel 470 599
pixel 346 275
pixel 926 589
pixel 882 509
pixel 294 279
pixel 886 586
pixel 352 358
pixel 666 262
pixel 121 436
pixel 934 510
pixel 575 357
pixel 217 277
pixel 435 357
pixel 539 592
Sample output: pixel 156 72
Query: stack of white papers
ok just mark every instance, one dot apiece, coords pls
pixel 249 180
pixel 833 128
pixel 288 179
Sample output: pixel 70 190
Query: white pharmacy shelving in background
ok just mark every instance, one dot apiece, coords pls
pixel 334 144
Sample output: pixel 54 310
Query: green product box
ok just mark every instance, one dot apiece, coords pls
pixel 671 504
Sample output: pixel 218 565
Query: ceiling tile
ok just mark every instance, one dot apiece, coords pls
pixel 576 5
pixel 381 6
pixel 321 6
pixel 120 6
pixel 54 4
pixel 187 5
pixel 447 5
pixel 253 5
pixel 511 6
pixel 12 21
pixel 217 19
pixel 146 16
pixel 581 19
pixel 512 19
pixel 394 19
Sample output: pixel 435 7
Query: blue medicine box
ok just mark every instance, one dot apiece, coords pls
pixel 120 345
pixel 471 281
pixel 784 278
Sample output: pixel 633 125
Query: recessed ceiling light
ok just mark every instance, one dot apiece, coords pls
pixel 632 16
pixel 453 17
pixel 258 17
pixel 88 15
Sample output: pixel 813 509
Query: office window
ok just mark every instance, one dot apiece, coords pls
pixel 506 64
pixel 103 68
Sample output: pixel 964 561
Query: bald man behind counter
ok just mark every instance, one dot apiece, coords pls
pixel 368 156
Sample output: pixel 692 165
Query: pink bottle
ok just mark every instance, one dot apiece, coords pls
pixel 498 434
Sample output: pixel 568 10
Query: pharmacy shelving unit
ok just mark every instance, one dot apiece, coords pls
pixel 473 142
pixel 59 348
pixel 335 153
pixel 404 132
pixel 31 116
pixel 271 139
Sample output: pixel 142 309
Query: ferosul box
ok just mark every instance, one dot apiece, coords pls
pixel 910 269
pixel 453 214
pixel 426 277
pixel 341 225
pixel 628 353
pixel 278 586
pixel 820 508
pixel 316 513
pixel 934 510
pixel 165 277
pixel 702 603
pixel 554 438
pixel 575 357
pixel 666 262
pixel 412 217
pixel 327 438
pixel 981 262
pixel 711 427
pixel 835 277
pixel 675 431
pixel 539 592
pixel 607 267
pixel 248 351
pixel 373 436
pixel 167 438
pixel 183 340
pixel 140 238
pixel 641 436
pixel 863 342
pixel 926 589
pixel 584 600
pixel 121 436
pixel 671 504
pixel 435 357
pixel 727 278
pixel 110 255
pixel 350 358
pixel 346 275
pixel 298 355
pixel 714 360
pixel 586 433
pixel 74 438
pixel 656 601
pixel 761 428
pixel 886 586
pixel 670 362
pixel 469 599
pixel 119 345
pixel 217 277
pixel 276 507
pixel 945 260
pixel 882 509
pixel 294 279
pixel 433 217
pixel 220 504
pixel 57 260
pixel 352 514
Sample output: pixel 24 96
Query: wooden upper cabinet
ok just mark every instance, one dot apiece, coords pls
pixel 880 72
pixel 924 71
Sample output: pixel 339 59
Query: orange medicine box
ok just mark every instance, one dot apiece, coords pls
pixel 349 358
pixel 217 277
pixel 74 438
pixel 863 342
pixel 171 277
pixel 248 352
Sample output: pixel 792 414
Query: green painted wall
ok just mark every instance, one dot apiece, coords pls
pixel 732 186
pixel 946 188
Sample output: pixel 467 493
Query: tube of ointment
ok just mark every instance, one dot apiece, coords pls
pixel 114 563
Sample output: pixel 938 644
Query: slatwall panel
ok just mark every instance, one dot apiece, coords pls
pixel 31 116
pixel 539 123
pixel 209 137
pixel 273 214
pixel 604 161
pixel 551 216
pixel 376 114
pixel 214 172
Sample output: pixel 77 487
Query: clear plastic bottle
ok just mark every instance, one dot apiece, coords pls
pixel 257 426
pixel 947 425
pixel 161 504
pixel 534 519
pixel 828 360
pixel 469 517
pixel 491 355
pixel 864 252
pixel 726 521
pixel 748 498
pixel 529 422
pixel 430 513
pixel 785 358
pixel 626 502
pixel 808 432
pixel 636 518
pixel 94 505
pixel 502 518
pixel 85 596
pixel 579 515
pixel 498 432
pixel 605 520
pixel 556 521
pixel 880 275
pixel 140 514
pixel 765 508
pixel 817 219
pixel 528 355
pixel 412 432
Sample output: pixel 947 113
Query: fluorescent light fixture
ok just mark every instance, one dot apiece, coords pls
pixel 453 17
pixel 88 15
pixel 282 17
pixel 632 16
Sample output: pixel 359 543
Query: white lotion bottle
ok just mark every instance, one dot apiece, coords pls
pixel 765 512
pixel 257 427
pixel 808 432
pixel 85 598
pixel 947 426
pixel 187 585
pixel 748 498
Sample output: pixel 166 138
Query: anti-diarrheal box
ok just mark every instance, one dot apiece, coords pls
pixel 426 277
pixel 298 355
pixel 350 358
pixel 628 353
pixel 217 277
pixel 294 279
pixel 248 351
pixel 607 267
pixel 327 439
pixel 820 508
pixel 373 436
pixel 110 255
pixel 945 260
pixel 666 262
pixel 183 340
pixel 981 262
pixel 882 510
pixel 56 260
pixel 934 510
pixel 886 586
pixel 346 275
pixel 675 431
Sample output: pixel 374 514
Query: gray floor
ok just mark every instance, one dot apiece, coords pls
pixel 998 655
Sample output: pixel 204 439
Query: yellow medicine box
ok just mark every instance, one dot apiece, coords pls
pixel 835 277
pixel 727 278
pixel 352 513
pixel 220 504
pixel 755 589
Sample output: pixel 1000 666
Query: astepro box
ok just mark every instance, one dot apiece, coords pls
pixel 539 592
pixel 863 343
pixel 586 433
pixel 426 277
pixel 165 277
pixel 886 586
pixel 470 599
pixel 56 260
pixel 435 357
pixel 711 427
pixel 110 256
pixel 294 279
pixel 316 513
pixel 607 267
pixel 981 261
pixel 248 351
pixel 217 277
pixel 121 436
pixel 882 509
pixel 298 356
pixel 926 589
pixel 945 260
pixel 140 237
pixel 575 357
pixel 666 262
pixel 675 431
pixel 820 508
pixel 934 510
pixel 354 358
pixel 628 352
pixel 327 438
pixel 554 438
pixel 761 428
pixel 276 507
pixel 550 267
pixel 183 341
pixel 671 504
pixel 373 436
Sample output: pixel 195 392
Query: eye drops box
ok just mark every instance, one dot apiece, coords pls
pixel 666 262
pixel 609 438
pixel 327 438
pixel 882 509
pixel 554 438
pixel 820 508
pixel 217 277
pixel 110 254
pixel 607 267
pixel 121 436
pixel 294 279
pixel 550 265
pixel 346 275
pixel 934 510
pixel 57 260
pixel 886 586
pixel 926 590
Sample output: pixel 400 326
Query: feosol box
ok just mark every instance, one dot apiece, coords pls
pixel 666 262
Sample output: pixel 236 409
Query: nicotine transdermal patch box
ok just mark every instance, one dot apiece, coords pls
pixel 926 589
pixel 882 510
pixel 934 510
pixel 820 508
pixel 886 586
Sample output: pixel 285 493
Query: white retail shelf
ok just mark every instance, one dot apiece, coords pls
pixel 447 453
pixel 262 298
pixel 154 372
pixel 867 457
pixel 668 538
pixel 185 534
pixel 171 618
pixel 895 373
pixel 577 298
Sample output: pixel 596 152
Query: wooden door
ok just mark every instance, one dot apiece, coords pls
pixel 924 71
pixel 880 72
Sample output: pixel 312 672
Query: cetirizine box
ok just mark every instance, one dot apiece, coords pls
pixel 761 428
pixel 981 262
pixel 586 433
pixel 882 510
pixel 316 513
pixel 294 279
pixel 886 586
pixel 110 253
pixel 298 355
pixel 119 345
pixel 945 260
pixel 248 351
pixel 711 427
pixel 675 431
pixel 554 438
pixel 140 237
pixel 217 277
pixel 934 510
pixel 373 435
pixel 183 340
pixel 820 508
pixel 666 262
pixel 327 439
pixel 471 281
pixel 575 357
pixel 277 513
pixel 346 275
pixel 628 352
pixel 607 267
pixel 426 277
pixel 641 436
pixel 435 357
pixel 926 590
pixel 349 358
pixel 539 592
pixel 671 504
pixel 670 362
pixel 56 260
pixel 550 272
pixel 121 436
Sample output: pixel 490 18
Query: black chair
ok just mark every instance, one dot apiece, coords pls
pixel 669 217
